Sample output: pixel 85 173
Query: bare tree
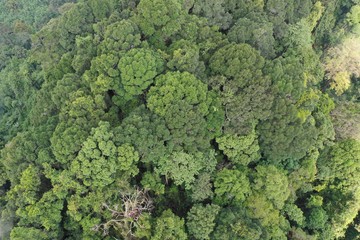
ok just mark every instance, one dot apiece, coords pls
pixel 124 218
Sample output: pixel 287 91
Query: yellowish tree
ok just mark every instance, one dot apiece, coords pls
pixel 342 62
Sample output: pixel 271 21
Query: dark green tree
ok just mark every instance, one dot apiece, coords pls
pixel 201 220
pixel 245 90
pixel 169 226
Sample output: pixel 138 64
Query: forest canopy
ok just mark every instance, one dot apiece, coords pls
pixel 180 119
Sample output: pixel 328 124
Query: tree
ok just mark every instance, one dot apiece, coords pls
pixel 85 51
pixel 175 86
pixel 341 162
pixel 138 68
pixel 185 103
pixel 27 148
pixel 103 74
pixel 26 192
pixel 185 57
pixel 19 233
pixel 214 11
pixel 78 116
pixel 159 20
pixel 339 171
pixel 146 132
pixel 182 167
pixel 242 8
pixel 201 189
pixel 345 118
pixel 327 24
pixel 272 183
pixel 231 187
pixel 169 226
pixel 284 137
pixel 45 213
pixel 317 218
pixel 240 149
pixel 255 30
pixel 153 182
pixel 342 62
pixel 209 39
pixel 18 83
pixel 58 36
pixel 69 84
pixel 238 61
pixel 302 177
pixel 200 220
pixel 233 223
pixel 100 160
pixel 353 19
pixel 273 225
pixel 245 90
pixel 295 214
pixel 300 116
pixel 119 37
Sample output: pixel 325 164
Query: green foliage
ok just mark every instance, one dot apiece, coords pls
pixel 19 81
pixel 185 57
pixel 233 224
pixel 315 201
pixel 119 37
pixel 317 218
pixel 146 132
pixel 19 233
pixel 171 87
pixel 303 176
pixel 338 169
pixel 241 8
pixel 138 119
pixel 153 182
pixel 294 213
pixel 277 10
pixel 85 51
pixel 99 159
pixel 145 229
pixel 159 20
pixel 238 61
pixel 169 226
pixel 243 68
pixel 214 11
pixel 272 223
pixel 46 212
pixel 201 188
pixel 26 192
pixel 345 118
pixel 288 136
pixel 341 162
pixel 240 149
pixel 182 167
pixel 200 220
pixel 273 183
pixel 184 102
pixel 256 30
pixel 69 84
pixel 103 74
pixel 138 68
pixel 231 186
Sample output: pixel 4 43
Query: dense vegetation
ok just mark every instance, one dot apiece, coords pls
pixel 180 119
